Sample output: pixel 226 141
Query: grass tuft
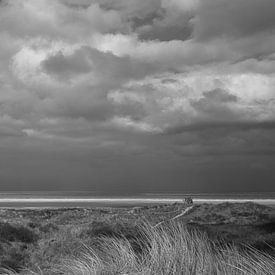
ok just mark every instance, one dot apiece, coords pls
pixel 168 249
pixel 171 248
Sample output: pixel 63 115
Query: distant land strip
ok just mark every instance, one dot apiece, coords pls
pixel 131 200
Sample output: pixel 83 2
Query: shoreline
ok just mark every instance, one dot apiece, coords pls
pixel 113 202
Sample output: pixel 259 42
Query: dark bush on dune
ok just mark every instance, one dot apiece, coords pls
pixel 14 256
pixel 14 233
pixel 14 241
pixel 13 259
pixel 268 227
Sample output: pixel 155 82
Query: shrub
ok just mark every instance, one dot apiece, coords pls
pixel 13 233
pixel 14 256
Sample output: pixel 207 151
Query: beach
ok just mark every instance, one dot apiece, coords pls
pixel 35 201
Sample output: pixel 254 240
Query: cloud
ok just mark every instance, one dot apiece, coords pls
pixel 57 21
pixel 226 126
pixel 216 105
pixel 127 123
pixel 219 96
pixel 36 134
pixel 164 24
pixel 131 8
pixel 137 84
pixel 233 18
pixel 10 127
pixel 67 66
pixel 102 65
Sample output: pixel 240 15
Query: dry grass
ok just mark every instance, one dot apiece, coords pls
pixel 168 249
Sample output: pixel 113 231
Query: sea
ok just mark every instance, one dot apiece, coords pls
pixel 72 199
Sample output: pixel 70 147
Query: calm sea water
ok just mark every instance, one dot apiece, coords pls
pixel 86 199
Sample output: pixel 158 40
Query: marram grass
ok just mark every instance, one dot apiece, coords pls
pixel 169 249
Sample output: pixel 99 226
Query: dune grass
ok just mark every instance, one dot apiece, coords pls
pixel 167 249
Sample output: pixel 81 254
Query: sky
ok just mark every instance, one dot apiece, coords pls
pixel 137 96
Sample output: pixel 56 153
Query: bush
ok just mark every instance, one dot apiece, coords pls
pixel 13 233
pixel 14 256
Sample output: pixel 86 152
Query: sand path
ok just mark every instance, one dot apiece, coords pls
pixel 184 212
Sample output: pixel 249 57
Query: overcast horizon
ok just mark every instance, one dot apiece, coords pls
pixel 137 96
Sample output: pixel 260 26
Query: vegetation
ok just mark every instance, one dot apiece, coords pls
pixel 130 241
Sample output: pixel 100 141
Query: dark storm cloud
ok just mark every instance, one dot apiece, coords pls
pixel 224 126
pixel 164 26
pixel 132 8
pixel 153 20
pixel 135 94
pixel 9 132
pixel 181 31
pixel 216 105
pixel 104 65
pixel 235 18
pixel 218 95
pixel 77 4
pixel 148 19
pixel 67 66
pixel 104 71
pixel 97 110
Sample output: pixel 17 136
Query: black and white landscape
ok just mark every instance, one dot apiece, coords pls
pixel 113 112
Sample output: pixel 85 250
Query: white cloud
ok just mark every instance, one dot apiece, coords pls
pixel 129 124
pixel 36 134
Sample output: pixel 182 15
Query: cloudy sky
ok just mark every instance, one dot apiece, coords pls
pixel 136 96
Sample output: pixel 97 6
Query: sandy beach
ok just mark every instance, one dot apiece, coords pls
pixel 121 202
